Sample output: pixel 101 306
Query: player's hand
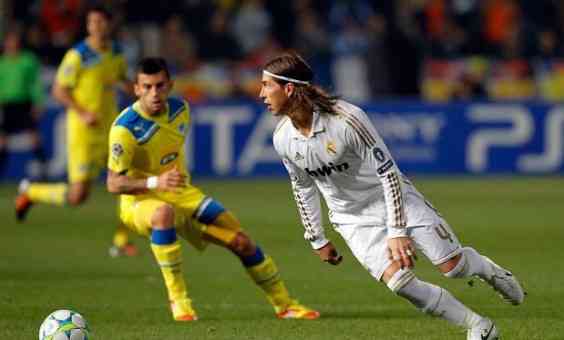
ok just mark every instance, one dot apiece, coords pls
pixel 402 250
pixel 171 179
pixel 89 118
pixel 328 253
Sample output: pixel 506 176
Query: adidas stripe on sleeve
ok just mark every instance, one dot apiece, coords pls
pixel 369 146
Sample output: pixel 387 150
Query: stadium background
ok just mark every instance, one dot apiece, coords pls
pixel 456 88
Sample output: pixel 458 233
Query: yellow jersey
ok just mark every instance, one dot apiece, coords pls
pixel 142 145
pixel 92 76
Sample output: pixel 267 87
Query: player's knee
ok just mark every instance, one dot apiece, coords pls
pixel 163 216
pixel 78 194
pixel 455 267
pixel 242 245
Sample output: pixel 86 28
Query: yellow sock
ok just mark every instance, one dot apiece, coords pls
pixel 267 277
pixel 167 251
pixel 121 236
pixel 55 194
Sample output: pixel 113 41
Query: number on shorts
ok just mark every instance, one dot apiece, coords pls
pixel 443 233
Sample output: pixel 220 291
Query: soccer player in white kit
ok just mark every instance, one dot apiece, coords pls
pixel 330 147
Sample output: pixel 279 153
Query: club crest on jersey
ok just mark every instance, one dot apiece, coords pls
pixel 298 156
pixel 169 158
pixel 331 148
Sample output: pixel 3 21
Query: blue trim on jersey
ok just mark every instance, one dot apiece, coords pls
pixel 163 237
pixel 175 107
pixel 141 128
pixel 210 212
pixel 254 259
pixel 88 56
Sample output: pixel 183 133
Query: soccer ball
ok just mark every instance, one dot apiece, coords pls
pixel 64 324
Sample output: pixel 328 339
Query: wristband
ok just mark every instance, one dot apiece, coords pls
pixel 152 182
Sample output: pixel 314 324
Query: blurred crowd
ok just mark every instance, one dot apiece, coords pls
pixel 360 49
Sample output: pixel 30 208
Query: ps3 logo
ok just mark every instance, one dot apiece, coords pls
pixel 517 129
pixel 169 158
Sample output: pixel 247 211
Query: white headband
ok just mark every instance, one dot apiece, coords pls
pixel 292 80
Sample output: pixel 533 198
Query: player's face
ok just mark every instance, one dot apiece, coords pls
pixel 273 95
pixel 97 25
pixel 152 91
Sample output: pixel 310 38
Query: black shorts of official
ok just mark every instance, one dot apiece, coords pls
pixel 16 117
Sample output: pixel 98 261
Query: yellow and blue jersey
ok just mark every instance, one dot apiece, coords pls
pixel 144 145
pixel 92 76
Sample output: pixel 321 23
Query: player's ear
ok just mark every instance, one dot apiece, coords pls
pixel 137 88
pixel 289 89
pixel 170 84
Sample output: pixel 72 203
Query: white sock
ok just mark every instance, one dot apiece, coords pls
pixel 471 263
pixel 437 301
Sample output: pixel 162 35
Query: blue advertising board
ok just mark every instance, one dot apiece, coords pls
pixel 235 139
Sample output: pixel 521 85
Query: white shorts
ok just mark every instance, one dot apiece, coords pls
pixel 369 244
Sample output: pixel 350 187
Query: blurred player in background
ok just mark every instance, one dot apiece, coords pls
pixel 147 167
pixel 21 97
pixel 86 85
pixel 330 146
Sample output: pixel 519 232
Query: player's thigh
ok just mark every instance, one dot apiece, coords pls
pixel 222 225
pixel 437 241
pixel 138 215
pixel 368 244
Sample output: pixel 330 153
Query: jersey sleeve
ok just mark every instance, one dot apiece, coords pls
pixel 122 147
pixel 308 201
pixel 369 146
pixel 68 71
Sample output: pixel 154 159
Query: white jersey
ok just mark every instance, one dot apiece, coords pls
pixel 346 160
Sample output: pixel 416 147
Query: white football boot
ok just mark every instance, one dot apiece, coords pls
pixel 484 330
pixel 503 282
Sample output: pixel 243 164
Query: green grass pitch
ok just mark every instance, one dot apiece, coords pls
pixel 58 259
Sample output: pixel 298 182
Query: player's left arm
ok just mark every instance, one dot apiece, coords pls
pixel 365 140
pixel 122 148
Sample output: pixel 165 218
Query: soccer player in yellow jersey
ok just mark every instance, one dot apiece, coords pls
pixel 147 168
pixel 85 84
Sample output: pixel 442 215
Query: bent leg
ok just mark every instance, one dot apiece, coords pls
pixel 470 263
pixel 225 230
pixel 429 298
pixel 158 219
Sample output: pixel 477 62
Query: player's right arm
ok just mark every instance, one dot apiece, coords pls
pixel 309 207
pixel 122 148
pixel 65 80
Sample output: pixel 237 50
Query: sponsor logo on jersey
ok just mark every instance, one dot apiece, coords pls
pixel 331 148
pixel 326 170
pixel 169 158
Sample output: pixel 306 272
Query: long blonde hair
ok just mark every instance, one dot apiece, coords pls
pixel 308 96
